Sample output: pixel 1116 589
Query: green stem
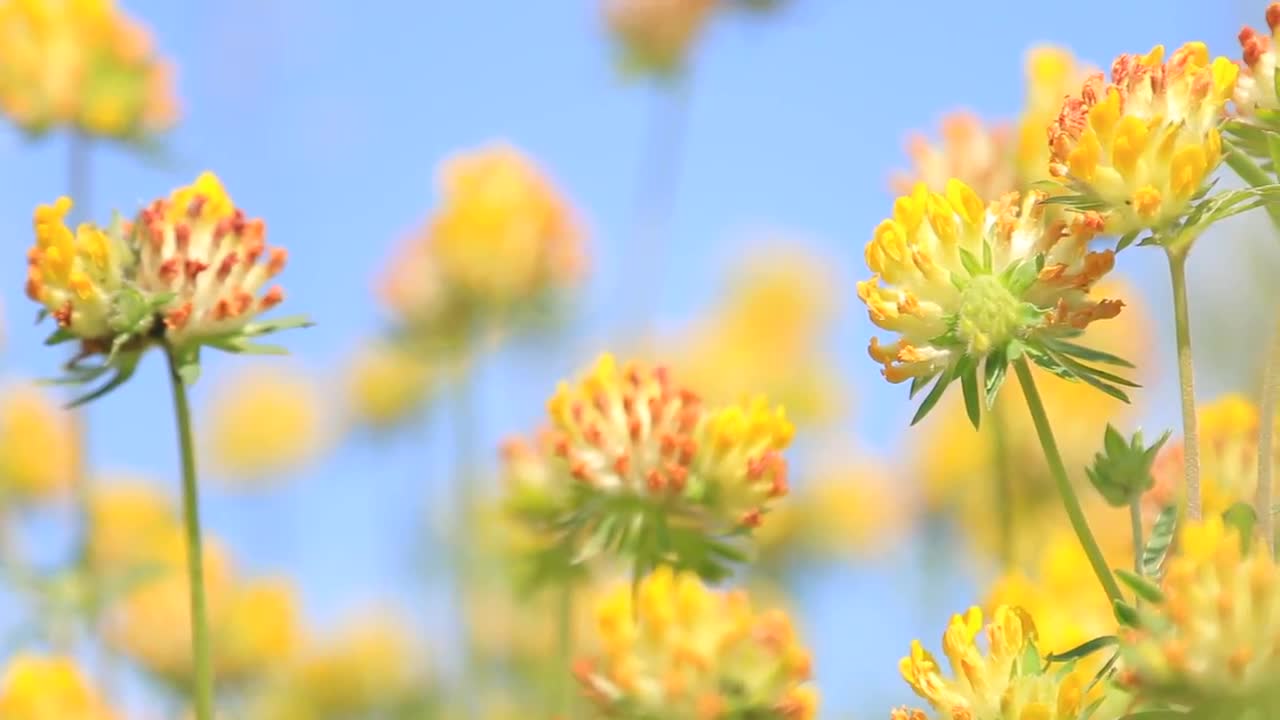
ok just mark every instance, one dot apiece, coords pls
pixel 564 695
pixel 465 477
pixel 1266 444
pixel 202 690
pixel 1004 486
pixel 1059 471
pixel 1135 526
pixel 1186 376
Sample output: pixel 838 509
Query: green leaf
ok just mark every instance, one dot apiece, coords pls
pixel 939 387
pixel 969 384
pixel 270 326
pixel 987 261
pixel 59 336
pixel 125 366
pixel 1127 239
pixel 1273 149
pixel 1063 347
pixel 1125 613
pixel 1157 547
pixel 1141 586
pixel 997 370
pixel 917 383
pixel 1084 649
pixel 1242 516
pixel 1081 369
pixel 970 263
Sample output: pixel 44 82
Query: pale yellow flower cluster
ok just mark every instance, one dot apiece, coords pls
pixel 49 688
pixel 82 64
pixel 684 652
pixel 385 385
pixel 38 445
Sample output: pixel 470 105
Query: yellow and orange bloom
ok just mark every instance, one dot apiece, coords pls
pixel 976 153
pixel 1212 637
pixel 1004 683
pixel 685 652
pixel 1256 87
pixel 1141 146
pixel 959 280
pixel 656 36
pixel 85 65
pixel 49 688
pixel 1052 73
pixel 38 445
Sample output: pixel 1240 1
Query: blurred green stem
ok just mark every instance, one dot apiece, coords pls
pixel 1135 526
pixel 1266 443
pixel 1186 377
pixel 660 158
pixel 464 437
pixel 1004 486
pixel 202 690
pixel 1059 471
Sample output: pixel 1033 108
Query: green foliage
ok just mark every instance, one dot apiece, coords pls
pixel 1121 473
pixel 1157 547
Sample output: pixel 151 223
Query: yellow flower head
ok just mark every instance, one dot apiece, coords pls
pixel 130 523
pixel 949 267
pixel 193 256
pixel 1256 86
pixel 496 203
pixel 259 630
pixel 49 688
pixel 977 154
pixel 82 64
pixel 264 422
pixel 656 36
pixel 1143 145
pixel 633 430
pixel 385 385
pixel 38 448
pixel 1004 683
pixel 1213 637
pixel 689 653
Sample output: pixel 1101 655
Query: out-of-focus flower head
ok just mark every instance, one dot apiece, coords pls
pixel 385 385
pixel 1061 593
pixel 366 668
pixel 130 522
pixel 264 421
pixel 1256 86
pixel 1211 638
pixel 959 470
pixel 255 621
pixel 655 37
pixel 962 283
pixel 1228 460
pixel 1007 682
pixel 977 154
pixel 187 272
pixel 49 688
pixel 767 336
pixel 495 203
pixel 1052 74
pixel 1139 149
pixel 82 64
pixel 38 447
pixel 637 449
pixel 685 652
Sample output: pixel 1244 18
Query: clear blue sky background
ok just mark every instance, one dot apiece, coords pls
pixel 329 118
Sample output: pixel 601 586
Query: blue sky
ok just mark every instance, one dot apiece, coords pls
pixel 329 118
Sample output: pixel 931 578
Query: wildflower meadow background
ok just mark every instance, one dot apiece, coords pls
pixel 526 351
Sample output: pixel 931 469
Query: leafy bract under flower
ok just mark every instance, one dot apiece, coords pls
pixel 188 272
pixel 1006 682
pixel 962 282
pixel 675 649
pixel 1139 148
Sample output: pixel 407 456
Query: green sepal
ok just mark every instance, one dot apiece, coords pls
pixel 1083 649
pixel 1125 613
pixel 996 372
pixel 967 369
pixel 1157 547
pixel 935 394
pixel 1141 586
pixel 1244 518
pixel 59 336
pixel 125 366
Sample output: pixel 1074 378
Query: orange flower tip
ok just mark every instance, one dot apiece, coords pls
pixel 752 518
pixel 182 234
pixel 274 297
pixel 655 481
pixel 1273 15
pixel 177 318
pixel 279 256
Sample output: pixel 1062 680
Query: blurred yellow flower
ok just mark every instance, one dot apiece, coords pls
pixel 924 289
pixel 49 688
pixel 685 652
pixel 1052 74
pixel 1144 144
pixel 131 522
pixel 1212 637
pixel 979 155
pixel 38 448
pixel 264 421
pixel 766 336
pixel 1256 86
pixel 82 64
pixel 656 36
pixel 999 684
pixel 385 385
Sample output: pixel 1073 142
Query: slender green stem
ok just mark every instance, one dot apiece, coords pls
pixel 1135 526
pixel 564 686
pixel 1004 486
pixel 1186 377
pixel 464 496
pixel 202 691
pixel 1266 444
pixel 1059 471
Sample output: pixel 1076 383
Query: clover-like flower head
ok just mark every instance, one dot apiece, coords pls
pixel 1139 148
pixel 1256 86
pixel 962 282
pixel 679 650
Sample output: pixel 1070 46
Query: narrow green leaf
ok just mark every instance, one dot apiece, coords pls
pixel 1273 149
pixel 269 326
pixel 987 261
pixel 125 368
pixel 1127 239
pixel 972 406
pixel 1125 613
pixel 996 371
pixel 970 263
pixel 1243 517
pixel 59 336
pixel 939 387
pixel 917 384
pixel 1084 649
pixel 1141 586
pixel 1157 547
pixel 1081 369
pixel 1087 354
